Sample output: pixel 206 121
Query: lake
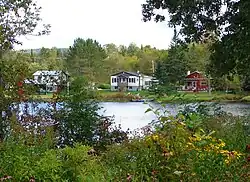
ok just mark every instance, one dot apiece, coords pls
pixel 132 114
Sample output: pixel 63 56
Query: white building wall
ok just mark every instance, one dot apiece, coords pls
pixel 132 85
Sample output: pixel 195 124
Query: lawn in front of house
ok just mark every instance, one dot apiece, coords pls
pixel 201 97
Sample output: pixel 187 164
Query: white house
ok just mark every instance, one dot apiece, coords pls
pixel 49 81
pixel 130 81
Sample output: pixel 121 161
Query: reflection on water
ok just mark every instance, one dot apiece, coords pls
pixel 132 114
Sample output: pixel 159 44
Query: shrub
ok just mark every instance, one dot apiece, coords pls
pixel 104 86
pixel 23 163
pixel 173 152
pixel 80 121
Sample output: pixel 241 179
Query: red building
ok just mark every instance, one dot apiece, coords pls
pixel 196 82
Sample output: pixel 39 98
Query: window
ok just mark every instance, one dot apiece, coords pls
pixel 113 80
pixel 130 88
pixel 203 83
pixel 39 78
pixel 146 82
pixel 116 87
pixel 129 80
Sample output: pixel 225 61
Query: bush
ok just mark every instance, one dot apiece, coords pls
pixel 81 123
pixel 176 153
pixel 25 163
pixel 104 86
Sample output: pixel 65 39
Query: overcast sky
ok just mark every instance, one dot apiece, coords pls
pixel 107 21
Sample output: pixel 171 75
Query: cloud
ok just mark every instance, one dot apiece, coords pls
pixel 110 21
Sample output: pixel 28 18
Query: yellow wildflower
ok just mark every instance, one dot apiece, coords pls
pixel 155 137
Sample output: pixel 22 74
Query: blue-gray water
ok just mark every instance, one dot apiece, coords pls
pixel 132 114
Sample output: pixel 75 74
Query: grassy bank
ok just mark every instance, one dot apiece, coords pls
pixel 179 97
pixel 109 96
pixel 202 97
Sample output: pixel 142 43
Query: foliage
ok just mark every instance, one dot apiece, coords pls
pixel 17 18
pixel 15 70
pixel 169 66
pixel 173 152
pixel 199 21
pixel 80 121
pixel 104 86
pixel 23 163
pixel 85 55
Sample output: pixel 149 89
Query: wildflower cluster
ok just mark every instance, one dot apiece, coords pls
pixel 209 144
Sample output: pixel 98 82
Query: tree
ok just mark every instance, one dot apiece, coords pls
pixel 86 57
pixel 172 69
pixel 198 57
pixel 228 20
pixel 17 18
pixel 132 49
pixel 111 49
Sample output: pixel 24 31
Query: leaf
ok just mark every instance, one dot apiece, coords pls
pixel 178 172
pixel 148 110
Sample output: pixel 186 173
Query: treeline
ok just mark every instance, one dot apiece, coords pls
pixel 90 59
pixel 97 62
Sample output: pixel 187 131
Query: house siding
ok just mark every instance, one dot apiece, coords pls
pixel 144 82
pixel 194 82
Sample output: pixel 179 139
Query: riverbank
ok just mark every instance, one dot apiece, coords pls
pixel 109 96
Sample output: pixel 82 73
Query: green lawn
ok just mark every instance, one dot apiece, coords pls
pixel 202 97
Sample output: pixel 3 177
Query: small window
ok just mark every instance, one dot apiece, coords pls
pixel 116 87
pixel 129 80
pixel 130 88
pixel 203 83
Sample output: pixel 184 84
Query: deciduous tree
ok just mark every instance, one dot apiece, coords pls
pixel 195 20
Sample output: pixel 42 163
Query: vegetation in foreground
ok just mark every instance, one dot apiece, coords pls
pixel 191 146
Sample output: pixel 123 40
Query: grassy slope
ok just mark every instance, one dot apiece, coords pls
pixel 106 95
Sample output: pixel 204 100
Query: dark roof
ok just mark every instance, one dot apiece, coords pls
pixel 126 73
pixel 51 73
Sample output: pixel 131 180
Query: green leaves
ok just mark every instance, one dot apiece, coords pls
pixel 224 25
pixel 85 56
pixel 18 18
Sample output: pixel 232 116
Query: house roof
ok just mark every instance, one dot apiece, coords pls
pixel 51 73
pixel 126 73
pixel 194 72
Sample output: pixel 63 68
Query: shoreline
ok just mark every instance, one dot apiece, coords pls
pixel 122 100
pixel 186 98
